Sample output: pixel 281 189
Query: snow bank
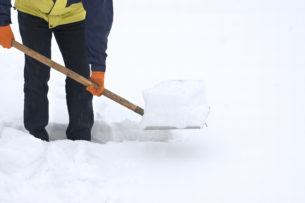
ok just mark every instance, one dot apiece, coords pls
pixel 175 104
pixel 32 170
pixel 65 171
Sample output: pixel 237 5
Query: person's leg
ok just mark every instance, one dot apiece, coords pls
pixel 36 35
pixel 71 42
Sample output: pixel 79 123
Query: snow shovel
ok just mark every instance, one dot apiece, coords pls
pixel 156 118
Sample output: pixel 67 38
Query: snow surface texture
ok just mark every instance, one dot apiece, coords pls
pixel 250 55
pixel 175 104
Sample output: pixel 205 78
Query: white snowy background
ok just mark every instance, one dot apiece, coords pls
pixel 251 55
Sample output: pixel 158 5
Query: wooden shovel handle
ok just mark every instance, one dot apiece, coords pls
pixel 75 76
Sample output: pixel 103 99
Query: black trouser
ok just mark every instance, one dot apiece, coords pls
pixel 71 41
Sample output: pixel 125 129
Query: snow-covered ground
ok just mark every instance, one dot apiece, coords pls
pixel 250 55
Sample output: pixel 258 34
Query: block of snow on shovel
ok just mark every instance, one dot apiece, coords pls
pixel 175 105
pixel 169 105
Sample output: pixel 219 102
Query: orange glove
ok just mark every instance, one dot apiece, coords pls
pixel 6 36
pixel 97 77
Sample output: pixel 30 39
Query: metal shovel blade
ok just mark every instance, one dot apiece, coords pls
pixel 171 128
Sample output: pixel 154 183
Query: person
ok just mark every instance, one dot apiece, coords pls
pixel 81 29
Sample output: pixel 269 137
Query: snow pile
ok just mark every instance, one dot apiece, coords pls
pixel 175 104
pixel 63 171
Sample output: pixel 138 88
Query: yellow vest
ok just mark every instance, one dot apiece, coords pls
pixel 54 13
